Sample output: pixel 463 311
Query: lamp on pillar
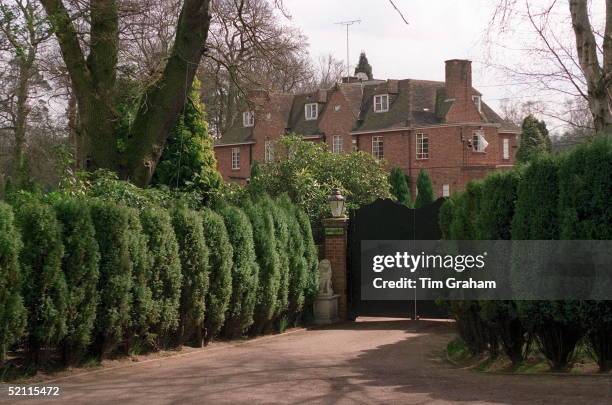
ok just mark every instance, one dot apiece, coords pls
pixel 336 203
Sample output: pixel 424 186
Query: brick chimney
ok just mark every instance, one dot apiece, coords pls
pixel 458 79
pixel 459 89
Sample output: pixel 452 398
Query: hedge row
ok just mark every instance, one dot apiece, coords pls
pixel 104 278
pixel 554 197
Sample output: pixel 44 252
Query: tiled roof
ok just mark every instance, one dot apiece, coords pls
pixel 411 103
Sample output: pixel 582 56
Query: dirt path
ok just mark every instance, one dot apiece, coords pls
pixel 371 361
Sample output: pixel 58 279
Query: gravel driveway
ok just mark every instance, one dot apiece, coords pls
pixel 370 361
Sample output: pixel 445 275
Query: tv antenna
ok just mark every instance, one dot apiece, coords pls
pixel 348 61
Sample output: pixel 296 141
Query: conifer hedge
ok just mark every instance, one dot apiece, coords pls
pixel 45 292
pixel 12 309
pixel 165 275
pixel 106 278
pixel 138 336
pixel 269 264
pixel 298 266
pixel 245 271
pixel 220 275
pixel 112 225
pixel 194 255
pixel 80 265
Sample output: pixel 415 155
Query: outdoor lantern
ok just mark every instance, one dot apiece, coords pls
pixel 336 203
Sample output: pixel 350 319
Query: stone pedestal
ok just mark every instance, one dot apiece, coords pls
pixel 326 309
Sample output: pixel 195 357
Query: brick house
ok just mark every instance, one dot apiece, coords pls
pixel 444 128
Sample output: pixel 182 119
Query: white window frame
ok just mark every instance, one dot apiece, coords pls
pixel 269 151
pixel 476 147
pixel 446 190
pixel 235 158
pixel 422 146
pixel 378 147
pixel 506 148
pixel 478 102
pixel 337 144
pixel 248 119
pixel 381 103
pixel 311 111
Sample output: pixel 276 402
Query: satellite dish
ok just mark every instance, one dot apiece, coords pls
pixel 361 76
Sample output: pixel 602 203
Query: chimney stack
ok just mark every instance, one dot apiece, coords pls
pixel 458 78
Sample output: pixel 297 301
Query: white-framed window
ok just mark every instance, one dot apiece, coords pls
pixel 377 148
pixel 422 146
pixel 479 143
pixel 248 118
pixel 337 144
pixel 381 103
pixel 477 102
pixel 446 190
pixel 506 148
pixel 311 111
pixel 269 151
pixel 235 158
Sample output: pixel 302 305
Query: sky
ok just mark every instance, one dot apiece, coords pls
pixel 438 30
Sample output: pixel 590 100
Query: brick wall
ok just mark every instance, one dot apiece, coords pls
pixel 335 251
pixel 337 119
pixel 224 163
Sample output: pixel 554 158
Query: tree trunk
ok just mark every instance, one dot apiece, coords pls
pixel 93 82
pixel 21 117
pixel 598 78
pixel 164 101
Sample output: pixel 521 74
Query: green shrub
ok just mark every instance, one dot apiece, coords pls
pixel 269 265
pixel 298 266
pixel 44 292
pixel 165 274
pixel 112 226
pixel 536 214
pixel 400 186
pixel 472 329
pixel 142 316
pixel 425 194
pixel 12 310
pixel 463 224
pixel 220 275
pixel 496 206
pixel 194 256
pixel 245 271
pixel 80 266
pixel 445 218
pixel 311 255
pixel 281 234
pixel 585 181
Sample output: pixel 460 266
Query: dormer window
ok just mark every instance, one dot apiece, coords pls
pixel 312 111
pixel 381 103
pixel 248 118
pixel 477 102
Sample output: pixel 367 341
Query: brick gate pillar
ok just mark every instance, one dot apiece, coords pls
pixel 336 252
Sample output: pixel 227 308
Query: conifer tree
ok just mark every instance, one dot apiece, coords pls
pixel 269 265
pixel 12 310
pixel 364 66
pixel 194 256
pixel 533 141
pixel 45 291
pixel 220 275
pixel 244 272
pixel 188 159
pixel 425 195
pixel 400 186
pixel 111 223
pixel 80 266
pixel 165 275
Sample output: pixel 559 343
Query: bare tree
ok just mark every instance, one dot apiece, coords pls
pixel 25 29
pixel 572 52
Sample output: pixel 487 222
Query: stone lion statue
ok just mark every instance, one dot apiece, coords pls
pixel 325 283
